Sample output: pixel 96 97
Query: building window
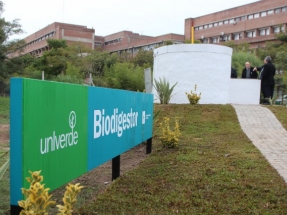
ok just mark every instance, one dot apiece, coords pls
pixel 263 32
pixel 284 9
pixel 231 21
pixel 250 34
pixel 200 27
pixel 278 10
pixel 226 38
pixel 215 24
pixel 243 18
pixel 263 13
pixel 256 15
pixel 237 19
pixel 236 36
pixel 196 28
pixel 220 23
pixel 210 25
pixel 276 30
pixel 214 40
pixel 205 40
pixel 225 22
pixel 269 12
pixel 205 26
pixel 250 16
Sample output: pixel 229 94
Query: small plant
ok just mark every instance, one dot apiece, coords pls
pixel 193 97
pixel 70 198
pixel 169 138
pixel 38 200
pixel 164 90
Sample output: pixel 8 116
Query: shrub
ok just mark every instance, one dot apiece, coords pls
pixel 193 97
pixel 163 90
pixel 125 76
pixel 169 138
pixel 38 200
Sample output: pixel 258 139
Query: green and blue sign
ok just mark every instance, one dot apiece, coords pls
pixel 66 130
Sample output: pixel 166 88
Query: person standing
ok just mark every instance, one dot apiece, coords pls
pixel 233 73
pixel 248 72
pixel 267 73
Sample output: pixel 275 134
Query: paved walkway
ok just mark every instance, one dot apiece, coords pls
pixel 266 133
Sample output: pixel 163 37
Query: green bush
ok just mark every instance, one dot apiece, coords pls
pixel 125 76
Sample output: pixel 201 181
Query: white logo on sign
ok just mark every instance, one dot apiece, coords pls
pixel 143 117
pixel 72 119
pixel 56 142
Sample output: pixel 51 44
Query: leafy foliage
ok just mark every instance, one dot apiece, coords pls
pixel 143 58
pixel 241 47
pixel 38 199
pixel 56 44
pixel 193 98
pixel 169 138
pixel 7 29
pixel 70 198
pixel 125 76
pixel 163 90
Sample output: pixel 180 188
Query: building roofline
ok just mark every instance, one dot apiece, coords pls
pixel 224 10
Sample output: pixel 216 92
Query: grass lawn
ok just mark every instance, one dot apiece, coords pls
pixel 215 170
pixel 4 110
pixel 281 114
pixel 4 154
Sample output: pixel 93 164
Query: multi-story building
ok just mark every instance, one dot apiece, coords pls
pixel 128 41
pixel 36 43
pixel 254 23
pixel 133 42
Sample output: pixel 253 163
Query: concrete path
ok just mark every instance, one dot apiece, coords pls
pixel 266 133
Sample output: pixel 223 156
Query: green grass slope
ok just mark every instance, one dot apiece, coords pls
pixel 215 170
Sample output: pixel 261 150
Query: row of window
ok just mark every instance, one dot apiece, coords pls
pixel 113 41
pixel 242 18
pixel 40 39
pixel 248 34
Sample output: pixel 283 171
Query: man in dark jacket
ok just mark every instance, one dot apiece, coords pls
pixel 248 72
pixel 233 73
pixel 267 73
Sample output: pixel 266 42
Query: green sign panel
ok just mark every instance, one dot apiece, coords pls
pixel 65 130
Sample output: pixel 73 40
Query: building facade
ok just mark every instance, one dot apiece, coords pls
pixel 36 43
pixel 127 41
pixel 119 42
pixel 254 23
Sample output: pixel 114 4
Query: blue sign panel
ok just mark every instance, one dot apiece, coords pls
pixel 55 121
pixel 118 120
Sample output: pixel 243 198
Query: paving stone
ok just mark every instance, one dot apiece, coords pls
pixel 265 131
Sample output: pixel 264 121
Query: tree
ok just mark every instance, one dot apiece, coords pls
pixel 7 29
pixel 56 44
pixel 144 58
pixel 239 59
pixel 7 66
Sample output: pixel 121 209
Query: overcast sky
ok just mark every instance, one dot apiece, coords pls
pixel 148 17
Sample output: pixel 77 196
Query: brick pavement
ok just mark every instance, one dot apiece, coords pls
pixel 266 133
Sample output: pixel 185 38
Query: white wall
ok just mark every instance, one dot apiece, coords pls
pixel 244 91
pixel 205 65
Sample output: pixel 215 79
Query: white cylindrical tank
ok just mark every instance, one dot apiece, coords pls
pixel 205 65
